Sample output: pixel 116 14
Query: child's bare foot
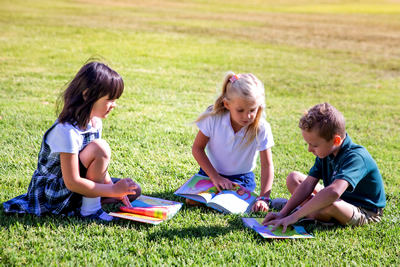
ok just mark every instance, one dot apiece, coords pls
pixel 192 202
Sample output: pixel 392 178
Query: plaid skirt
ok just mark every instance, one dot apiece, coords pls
pixel 47 192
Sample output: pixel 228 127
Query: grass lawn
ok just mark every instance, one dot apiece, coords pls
pixel 173 55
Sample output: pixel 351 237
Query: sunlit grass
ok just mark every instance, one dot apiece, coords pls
pixel 173 56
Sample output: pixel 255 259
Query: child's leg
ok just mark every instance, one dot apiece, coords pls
pixel 294 179
pixel 339 210
pixel 95 157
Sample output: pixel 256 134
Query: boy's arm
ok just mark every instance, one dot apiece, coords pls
pixel 323 198
pixel 267 178
pixel 302 192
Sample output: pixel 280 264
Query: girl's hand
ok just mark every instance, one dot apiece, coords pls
pixel 124 187
pixel 222 183
pixel 126 201
pixel 260 205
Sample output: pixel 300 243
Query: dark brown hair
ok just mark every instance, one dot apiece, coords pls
pixel 93 81
pixel 325 119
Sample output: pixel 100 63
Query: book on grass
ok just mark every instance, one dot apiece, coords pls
pixel 292 231
pixel 201 189
pixel 149 210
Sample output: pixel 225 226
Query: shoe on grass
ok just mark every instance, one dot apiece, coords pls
pixel 278 203
pixel 316 222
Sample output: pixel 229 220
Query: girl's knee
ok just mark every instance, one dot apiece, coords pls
pixel 101 148
pixel 138 192
pixel 96 151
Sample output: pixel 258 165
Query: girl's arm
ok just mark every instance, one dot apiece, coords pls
pixel 88 188
pixel 267 178
pixel 200 155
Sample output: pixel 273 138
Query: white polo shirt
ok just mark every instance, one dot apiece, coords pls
pixel 226 150
pixel 67 138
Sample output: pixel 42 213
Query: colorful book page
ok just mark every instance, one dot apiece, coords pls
pixel 136 217
pixel 169 208
pixel 200 188
pixel 197 188
pixel 292 231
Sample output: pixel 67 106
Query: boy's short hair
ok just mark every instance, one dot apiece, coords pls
pixel 325 119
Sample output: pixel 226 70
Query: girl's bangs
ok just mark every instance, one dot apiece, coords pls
pixel 112 86
pixel 116 88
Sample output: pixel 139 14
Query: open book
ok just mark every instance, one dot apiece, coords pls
pixel 201 189
pixel 149 210
pixel 292 231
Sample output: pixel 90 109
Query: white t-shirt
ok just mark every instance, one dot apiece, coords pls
pixel 226 150
pixel 67 138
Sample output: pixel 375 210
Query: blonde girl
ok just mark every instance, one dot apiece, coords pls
pixel 232 133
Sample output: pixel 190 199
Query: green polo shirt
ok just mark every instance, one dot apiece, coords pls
pixel 354 164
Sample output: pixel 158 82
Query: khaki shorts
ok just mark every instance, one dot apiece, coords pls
pixel 363 216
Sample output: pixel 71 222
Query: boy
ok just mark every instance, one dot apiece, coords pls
pixel 353 192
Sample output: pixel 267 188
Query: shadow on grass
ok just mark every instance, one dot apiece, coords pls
pixel 168 230
pixel 54 221
pixel 190 232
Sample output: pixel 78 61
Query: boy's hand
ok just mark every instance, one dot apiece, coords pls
pixel 260 205
pixel 124 187
pixel 284 221
pixel 221 183
pixel 272 216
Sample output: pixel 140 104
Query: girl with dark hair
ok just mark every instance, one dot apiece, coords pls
pixel 71 175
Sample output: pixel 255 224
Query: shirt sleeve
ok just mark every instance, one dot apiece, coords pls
pixel 316 170
pixel 353 170
pixel 205 126
pixel 266 138
pixel 63 138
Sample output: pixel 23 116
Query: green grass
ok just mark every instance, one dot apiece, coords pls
pixel 173 55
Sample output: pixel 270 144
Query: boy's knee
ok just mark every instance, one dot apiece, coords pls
pixel 295 178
